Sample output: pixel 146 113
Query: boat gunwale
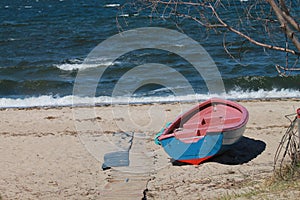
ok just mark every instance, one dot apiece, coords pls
pixel 169 131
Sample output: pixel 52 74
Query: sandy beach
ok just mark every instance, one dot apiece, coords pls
pixel 57 153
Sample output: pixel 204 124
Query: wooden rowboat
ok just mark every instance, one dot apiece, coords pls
pixel 203 131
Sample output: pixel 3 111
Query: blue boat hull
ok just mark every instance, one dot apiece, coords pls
pixel 195 152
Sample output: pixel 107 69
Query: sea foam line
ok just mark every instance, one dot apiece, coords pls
pixel 82 66
pixel 52 101
pixel 112 5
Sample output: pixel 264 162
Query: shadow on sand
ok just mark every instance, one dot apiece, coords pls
pixel 239 153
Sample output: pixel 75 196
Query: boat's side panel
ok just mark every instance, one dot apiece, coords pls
pixel 231 137
pixel 205 147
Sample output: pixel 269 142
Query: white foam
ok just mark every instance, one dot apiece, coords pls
pixel 128 15
pixel 124 15
pixel 71 67
pixel 82 66
pixel 263 94
pixel 52 101
pixel 112 5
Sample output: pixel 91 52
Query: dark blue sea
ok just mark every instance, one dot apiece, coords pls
pixel 45 43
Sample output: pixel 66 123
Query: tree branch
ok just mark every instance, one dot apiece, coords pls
pixel 292 21
pixel 225 25
pixel 286 28
pixel 271 13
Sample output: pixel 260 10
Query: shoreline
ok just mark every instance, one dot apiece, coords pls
pixel 151 103
pixel 44 155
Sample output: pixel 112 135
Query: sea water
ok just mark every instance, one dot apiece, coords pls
pixel 45 43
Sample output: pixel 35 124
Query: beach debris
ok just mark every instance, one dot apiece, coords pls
pixel 130 154
pixel 118 158
pixel 115 159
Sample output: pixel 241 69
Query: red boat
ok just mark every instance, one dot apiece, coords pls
pixel 203 131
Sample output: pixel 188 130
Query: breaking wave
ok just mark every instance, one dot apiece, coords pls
pixel 78 64
pixel 55 101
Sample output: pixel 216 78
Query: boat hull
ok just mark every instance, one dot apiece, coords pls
pixel 193 153
pixel 204 149
pixel 233 136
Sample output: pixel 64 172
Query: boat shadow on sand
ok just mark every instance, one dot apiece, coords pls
pixel 239 153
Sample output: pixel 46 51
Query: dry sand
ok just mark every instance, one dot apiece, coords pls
pixel 57 153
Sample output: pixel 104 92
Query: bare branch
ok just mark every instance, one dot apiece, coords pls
pixel 172 2
pixel 286 28
pixel 228 52
pixel 251 39
pixel 292 21
pixel 283 6
pixel 270 15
